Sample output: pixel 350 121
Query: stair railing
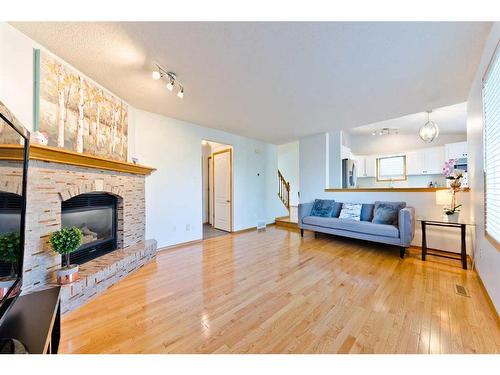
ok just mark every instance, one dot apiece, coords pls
pixel 284 190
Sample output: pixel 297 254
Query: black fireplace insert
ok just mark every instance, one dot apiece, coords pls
pixel 95 215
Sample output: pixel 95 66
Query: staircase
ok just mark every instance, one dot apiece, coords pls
pixel 289 221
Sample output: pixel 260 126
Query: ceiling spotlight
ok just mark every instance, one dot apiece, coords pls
pixel 180 94
pixel 170 85
pixel 156 75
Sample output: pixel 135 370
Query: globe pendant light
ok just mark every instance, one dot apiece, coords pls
pixel 429 131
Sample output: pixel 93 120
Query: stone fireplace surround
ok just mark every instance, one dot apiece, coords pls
pixel 51 183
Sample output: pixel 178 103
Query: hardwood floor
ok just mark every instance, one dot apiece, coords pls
pixel 273 292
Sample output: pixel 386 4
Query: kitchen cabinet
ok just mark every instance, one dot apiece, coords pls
pixel 370 166
pixel 414 163
pixel 425 161
pixel 456 150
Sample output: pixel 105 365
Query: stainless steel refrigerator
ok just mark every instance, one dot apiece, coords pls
pixel 349 174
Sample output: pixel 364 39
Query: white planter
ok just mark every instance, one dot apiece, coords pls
pixel 453 218
pixel 68 274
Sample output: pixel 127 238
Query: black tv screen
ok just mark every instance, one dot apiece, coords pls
pixel 14 146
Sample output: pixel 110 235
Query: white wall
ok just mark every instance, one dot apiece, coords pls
pixel 288 164
pixel 487 256
pixel 313 166
pixel 174 191
pixel 334 161
pixel 16 73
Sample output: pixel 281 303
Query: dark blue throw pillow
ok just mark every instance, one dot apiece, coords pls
pixel 337 207
pixel 387 212
pixel 367 212
pixel 322 207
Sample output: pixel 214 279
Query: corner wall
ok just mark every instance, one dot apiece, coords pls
pixel 174 191
pixel 487 256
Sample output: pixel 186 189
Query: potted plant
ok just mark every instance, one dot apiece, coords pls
pixel 454 176
pixel 64 242
pixel 10 244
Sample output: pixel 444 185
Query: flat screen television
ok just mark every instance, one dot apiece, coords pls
pixel 14 149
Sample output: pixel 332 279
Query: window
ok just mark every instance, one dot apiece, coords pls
pixel 491 118
pixel 391 168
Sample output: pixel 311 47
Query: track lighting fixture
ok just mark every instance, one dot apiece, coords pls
pixel 171 78
pixel 156 75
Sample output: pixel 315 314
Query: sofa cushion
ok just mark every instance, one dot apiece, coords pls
pixel 365 227
pixel 337 207
pixel 387 212
pixel 322 207
pixel 367 212
pixel 351 211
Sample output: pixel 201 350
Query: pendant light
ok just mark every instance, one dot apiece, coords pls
pixel 429 131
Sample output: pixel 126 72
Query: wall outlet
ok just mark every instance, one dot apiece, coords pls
pixel 174 228
pixel 188 227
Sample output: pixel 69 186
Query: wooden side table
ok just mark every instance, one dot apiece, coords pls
pixel 442 223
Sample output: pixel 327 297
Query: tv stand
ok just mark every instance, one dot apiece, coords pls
pixel 35 321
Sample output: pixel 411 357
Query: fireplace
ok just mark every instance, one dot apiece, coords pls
pixel 95 215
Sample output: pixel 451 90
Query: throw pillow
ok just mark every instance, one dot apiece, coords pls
pixel 387 212
pixel 336 209
pixel 367 212
pixel 322 207
pixel 351 211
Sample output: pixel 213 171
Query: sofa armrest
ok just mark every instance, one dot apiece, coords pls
pixel 304 210
pixel 406 225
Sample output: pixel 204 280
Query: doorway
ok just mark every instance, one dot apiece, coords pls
pixel 217 174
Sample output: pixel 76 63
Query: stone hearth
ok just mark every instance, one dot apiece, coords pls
pixel 99 274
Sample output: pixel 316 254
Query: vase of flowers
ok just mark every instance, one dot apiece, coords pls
pixel 454 176
pixel 64 242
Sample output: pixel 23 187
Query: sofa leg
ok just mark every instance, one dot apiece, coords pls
pixel 402 251
pixel 315 234
pixel 301 232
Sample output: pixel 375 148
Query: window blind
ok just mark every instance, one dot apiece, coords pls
pixel 491 118
pixel 392 167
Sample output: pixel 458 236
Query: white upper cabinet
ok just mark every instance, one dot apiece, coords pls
pixel 414 162
pixel 370 166
pixel 425 161
pixel 433 160
pixel 456 150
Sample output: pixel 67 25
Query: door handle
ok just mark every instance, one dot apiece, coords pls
pixel 228 201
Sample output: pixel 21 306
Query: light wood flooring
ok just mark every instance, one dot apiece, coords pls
pixel 273 292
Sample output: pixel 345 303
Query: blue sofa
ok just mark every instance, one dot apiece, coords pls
pixel 399 235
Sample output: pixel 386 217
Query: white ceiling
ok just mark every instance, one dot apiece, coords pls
pixel 450 119
pixel 275 81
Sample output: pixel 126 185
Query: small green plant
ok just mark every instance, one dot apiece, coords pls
pixel 10 243
pixel 65 241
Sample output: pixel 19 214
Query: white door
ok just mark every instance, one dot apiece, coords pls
pixel 210 193
pixel 222 190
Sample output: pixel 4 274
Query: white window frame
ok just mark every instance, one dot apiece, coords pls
pixel 493 238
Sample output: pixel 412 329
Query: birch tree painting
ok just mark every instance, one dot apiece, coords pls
pixel 78 115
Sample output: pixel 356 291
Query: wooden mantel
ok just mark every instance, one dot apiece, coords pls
pixel 61 156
